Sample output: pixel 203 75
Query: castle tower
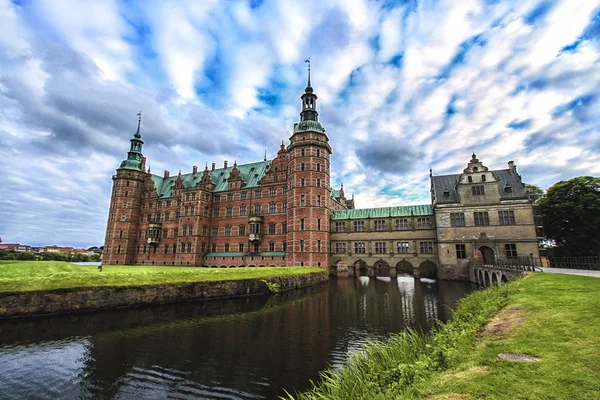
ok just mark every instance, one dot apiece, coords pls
pixel 308 211
pixel 125 205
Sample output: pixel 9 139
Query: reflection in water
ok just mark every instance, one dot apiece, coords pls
pixel 241 348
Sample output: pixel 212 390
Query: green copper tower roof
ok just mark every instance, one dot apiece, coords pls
pixel 134 156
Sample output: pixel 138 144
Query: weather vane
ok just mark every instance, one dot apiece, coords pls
pixel 308 61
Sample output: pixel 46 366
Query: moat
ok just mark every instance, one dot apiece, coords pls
pixel 247 348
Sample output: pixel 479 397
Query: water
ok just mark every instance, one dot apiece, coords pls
pixel 250 348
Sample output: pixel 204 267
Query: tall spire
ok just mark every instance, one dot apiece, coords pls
pixel 137 133
pixel 309 101
pixel 309 88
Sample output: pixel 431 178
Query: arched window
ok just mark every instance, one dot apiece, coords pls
pixel 470 179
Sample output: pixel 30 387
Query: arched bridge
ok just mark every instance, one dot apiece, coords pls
pixel 493 275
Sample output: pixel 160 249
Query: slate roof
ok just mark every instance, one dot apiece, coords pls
pixel 504 176
pixel 251 174
pixel 398 211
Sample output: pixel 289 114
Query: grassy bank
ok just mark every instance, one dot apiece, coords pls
pixel 20 276
pixel 552 317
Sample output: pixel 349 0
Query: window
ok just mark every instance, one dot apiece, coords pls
pixel 359 226
pixel 120 234
pixel 318 153
pixel 241 247
pixel 214 247
pixel 118 249
pixel 506 217
pixel 380 247
pixel 461 251
pixel 403 247
pixel 285 206
pixel 271 246
pixel 426 247
pixel 318 167
pixel 481 218
pixel 204 230
pixel 318 245
pixel 229 211
pixel 482 178
pixel 402 224
pixel 243 195
pixel 227 231
pixel 302 167
pixel 424 223
pixel 271 228
pixel 254 228
pixel 302 224
pixel 340 247
pixel 318 182
pixel 285 191
pixel 380 224
pixel 302 152
pixel 215 212
pixel 284 227
pixel 477 190
pixel 457 219
pixel 123 217
pixel 302 200
pixel 167 216
pixel 302 245
pixel 242 210
pixel 242 230
pixel 302 182
pixel 257 194
pixel 284 246
pixel 272 192
pixel 215 231
pixel 470 179
pixel 359 248
pixel 511 250
pixel 272 207
pixel 258 209
pixel 319 224
pixel 226 247
pixel 340 226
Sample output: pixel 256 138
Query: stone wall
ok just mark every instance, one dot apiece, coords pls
pixel 74 300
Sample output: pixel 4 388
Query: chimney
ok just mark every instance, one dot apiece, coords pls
pixel 225 164
pixel 213 166
pixel 143 164
pixel 512 166
pixel 194 169
pixel 165 174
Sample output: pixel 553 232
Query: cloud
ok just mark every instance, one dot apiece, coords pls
pixel 387 154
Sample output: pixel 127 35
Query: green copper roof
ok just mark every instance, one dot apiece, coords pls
pixel 305 126
pixel 225 254
pixel 130 164
pixel 399 211
pixel 336 193
pixel 251 174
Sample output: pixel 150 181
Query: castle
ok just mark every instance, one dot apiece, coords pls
pixel 283 212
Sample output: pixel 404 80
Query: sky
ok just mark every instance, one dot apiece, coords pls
pixel 403 86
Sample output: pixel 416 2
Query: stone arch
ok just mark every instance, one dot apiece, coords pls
pixel 223 266
pixel 405 266
pixel 261 266
pixel 251 266
pixel 428 269
pixel 481 279
pixel 486 255
pixel 381 264
pixel 494 279
pixel 360 264
pixel 241 266
pixel 503 279
pixel 232 266
pixel 487 278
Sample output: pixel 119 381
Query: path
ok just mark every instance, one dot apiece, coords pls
pixel 584 272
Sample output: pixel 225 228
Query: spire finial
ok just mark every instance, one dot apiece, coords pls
pixel 137 133
pixel 309 88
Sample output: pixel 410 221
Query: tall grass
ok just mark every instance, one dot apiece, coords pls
pixel 389 369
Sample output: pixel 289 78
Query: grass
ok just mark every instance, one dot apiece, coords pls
pixel 553 317
pixel 21 276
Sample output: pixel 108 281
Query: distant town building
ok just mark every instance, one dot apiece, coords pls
pixel 283 211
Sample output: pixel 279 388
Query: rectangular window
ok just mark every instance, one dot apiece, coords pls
pixel 302 182
pixel 302 224
pixel 215 231
pixel 424 223
pixel 302 167
pixel 230 197
pixel 254 228
pixel 340 248
pixel 213 247
pixel 229 212
pixel 319 200
pixel 380 224
pixel 506 217
pixel 227 231
pixel 461 251
pixel 426 247
pixel 272 192
pixel 359 248
pixel 511 250
pixel 318 245
pixel 118 249
pixel 340 227
pixel 243 195
pixel 359 226
pixel 284 227
pixel 403 247
pixel 272 207
pixel 123 217
pixel 215 212
pixel 257 194
pixel 481 218
pixel 204 230
pixel 380 247
pixel 257 209
pixel 226 247
pixel 284 246
pixel 242 230
pixel 242 210
pixel 302 245
pixel 285 206
pixel 271 246
pixel 319 224
pixel 457 219
pixel 302 198
pixel 318 182
pixel 402 224
pixel 477 190
pixel 241 247
pixel 271 228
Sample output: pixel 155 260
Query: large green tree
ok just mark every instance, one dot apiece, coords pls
pixel 571 215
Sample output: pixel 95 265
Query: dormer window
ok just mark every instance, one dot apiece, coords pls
pixel 446 193
pixel 508 188
pixel 470 179
pixel 482 178
pixel 475 169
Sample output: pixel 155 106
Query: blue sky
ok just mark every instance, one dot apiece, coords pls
pixel 403 87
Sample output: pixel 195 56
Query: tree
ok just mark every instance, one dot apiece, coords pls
pixel 571 215
pixel 534 192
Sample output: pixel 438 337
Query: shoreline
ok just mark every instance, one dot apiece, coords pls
pixel 74 300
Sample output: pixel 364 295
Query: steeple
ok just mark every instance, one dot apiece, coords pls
pixel 309 101
pixel 134 156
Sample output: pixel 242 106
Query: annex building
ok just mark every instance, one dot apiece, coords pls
pixel 283 212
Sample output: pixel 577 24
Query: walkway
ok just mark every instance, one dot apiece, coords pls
pixel 584 272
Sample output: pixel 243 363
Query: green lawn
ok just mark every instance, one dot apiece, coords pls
pixel 19 276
